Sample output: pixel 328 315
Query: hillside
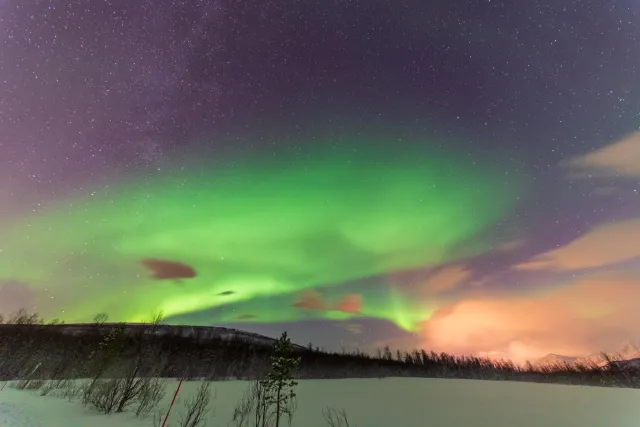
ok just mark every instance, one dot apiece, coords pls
pixel 45 351
pixel 202 333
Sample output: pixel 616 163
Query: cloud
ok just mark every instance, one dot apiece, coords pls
pixel 15 295
pixel 604 190
pixel 618 159
pixel 428 283
pixel 601 246
pixel 225 293
pixel 354 328
pixel 312 300
pixel 596 313
pixel 446 279
pixel 349 304
pixel 510 245
pixel 165 270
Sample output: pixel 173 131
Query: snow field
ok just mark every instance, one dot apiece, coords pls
pixel 392 402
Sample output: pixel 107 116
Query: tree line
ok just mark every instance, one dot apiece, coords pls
pixel 31 348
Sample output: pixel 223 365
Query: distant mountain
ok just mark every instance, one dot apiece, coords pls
pixel 626 351
pixel 555 359
pixel 626 355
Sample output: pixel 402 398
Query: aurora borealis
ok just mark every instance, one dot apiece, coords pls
pixel 358 182
pixel 266 228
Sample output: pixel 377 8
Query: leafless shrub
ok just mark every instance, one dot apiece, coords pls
pixel 29 380
pixel 100 318
pixel 244 408
pixel 197 407
pixel 130 389
pixel 35 384
pixel 48 387
pixel 158 418
pixel 55 385
pixel 101 359
pixel 136 386
pixel 105 395
pixel 255 409
pixel 118 393
pixel 23 317
pixel 129 383
pixel 335 418
pixel 291 408
pixel 151 392
pixel 263 416
pixel 73 390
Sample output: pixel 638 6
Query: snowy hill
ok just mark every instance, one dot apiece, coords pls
pixel 555 359
pixel 202 333
pixel 627 352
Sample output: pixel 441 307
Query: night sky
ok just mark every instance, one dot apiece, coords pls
pixel 460 176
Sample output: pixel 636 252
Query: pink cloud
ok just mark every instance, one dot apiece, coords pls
pixel 446 279
pixel 596 313
pixel 349 304
pixel 511 245
pixel 601 246
pixel 429 284
pixel 312 300
pixel 164 269
pixel 615 160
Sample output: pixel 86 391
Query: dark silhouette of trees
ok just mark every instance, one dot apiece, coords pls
pixel 31 349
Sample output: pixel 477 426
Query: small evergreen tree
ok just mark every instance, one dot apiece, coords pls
pixel 279 385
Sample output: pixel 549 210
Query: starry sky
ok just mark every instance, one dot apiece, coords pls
pixel 453 175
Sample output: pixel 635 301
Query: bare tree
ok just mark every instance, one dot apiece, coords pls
pixel 263 417
pixel 151 393
pixel 130 380
pixel 157 318
pixel 335 418
pixel 100 318
pixel 22 317
pixel 243 409
pixel 132 385
pixel 252 403
pixel 102 357
pixel 73 390
pixel 136 381
pixel 197 407
pixel 30 377
pixel 118 393
pixel 158 418
pixel 105 395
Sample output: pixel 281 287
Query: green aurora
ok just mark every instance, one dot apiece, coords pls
pixel 259 230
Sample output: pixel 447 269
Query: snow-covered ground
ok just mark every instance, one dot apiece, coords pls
pixel 373 403
pixel 16 414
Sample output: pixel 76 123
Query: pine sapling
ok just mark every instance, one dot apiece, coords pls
pixel 279 385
